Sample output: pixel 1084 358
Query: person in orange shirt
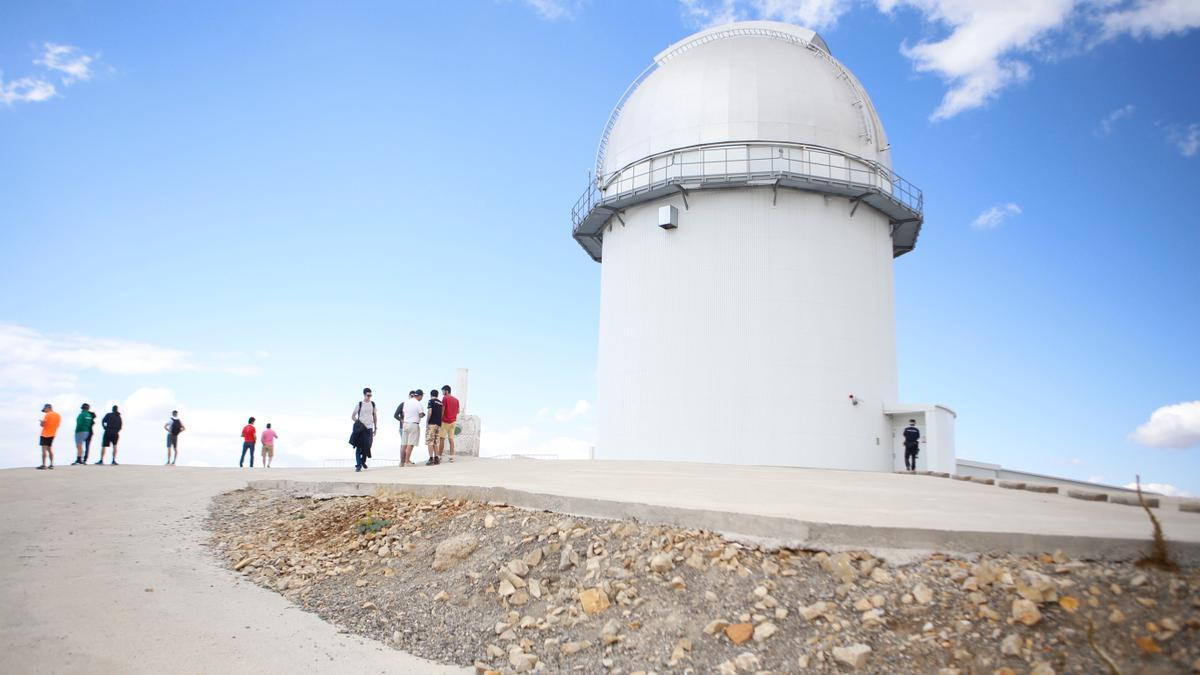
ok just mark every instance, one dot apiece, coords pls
pixel 50 422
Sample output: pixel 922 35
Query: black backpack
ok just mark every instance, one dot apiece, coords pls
pixel 176 426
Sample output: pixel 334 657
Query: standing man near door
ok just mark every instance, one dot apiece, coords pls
pixel 912 439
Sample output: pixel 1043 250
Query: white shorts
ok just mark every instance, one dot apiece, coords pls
pixel 412 433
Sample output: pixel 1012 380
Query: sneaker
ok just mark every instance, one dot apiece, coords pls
pixel 451 460
pixel 437 460
pixel 40 468
pixel 357 469
pixel 114 463
pixel 50 467
pixel 99 461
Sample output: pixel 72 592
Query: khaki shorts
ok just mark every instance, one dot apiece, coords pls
pixel 268 450
pixel 412 433
pixel 432 432
pixel 448 430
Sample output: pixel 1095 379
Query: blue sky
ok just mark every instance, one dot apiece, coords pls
pixel 257 209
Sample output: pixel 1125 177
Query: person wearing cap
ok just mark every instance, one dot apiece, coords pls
pixel 49 423
pixel 412 426
pixel 364 414
pixel 399 417
pixel 83 431
pixel 912 438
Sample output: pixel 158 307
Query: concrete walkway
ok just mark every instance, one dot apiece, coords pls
pixel 816 507
pixel 104 568
pixel 104 572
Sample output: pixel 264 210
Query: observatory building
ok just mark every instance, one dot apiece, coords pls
pixel 745 214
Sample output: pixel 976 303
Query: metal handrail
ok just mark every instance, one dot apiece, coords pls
pixel 697 164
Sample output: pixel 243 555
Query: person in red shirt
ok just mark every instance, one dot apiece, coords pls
pixel 449 417
pixel 248 436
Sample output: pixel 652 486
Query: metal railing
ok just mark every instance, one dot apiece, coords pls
pixel 753 162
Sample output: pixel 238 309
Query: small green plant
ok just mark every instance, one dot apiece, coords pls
pixel 370 523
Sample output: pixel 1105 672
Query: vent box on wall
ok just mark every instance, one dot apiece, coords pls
pixel 668 217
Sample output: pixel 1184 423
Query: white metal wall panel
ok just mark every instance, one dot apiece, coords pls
pixel 739 337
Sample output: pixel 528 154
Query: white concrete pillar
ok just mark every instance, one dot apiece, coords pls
pixel 460 389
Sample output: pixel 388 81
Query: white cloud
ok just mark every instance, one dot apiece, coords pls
pixel 1186 140
pixel 979 57
pixel 1156 18
pixel 705 13
pixel 581 407
pixel 552 10
pixel 524 441
pixel 993 217
pixel 1165 489
pixel 1171 426
pixel 987 45
pixel 1095 479
pixel 814 14
pixel 68 60
pixel 1110 120
pixel 25 90
pixel 40 360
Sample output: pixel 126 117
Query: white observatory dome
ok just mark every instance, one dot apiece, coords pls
pixel 747 81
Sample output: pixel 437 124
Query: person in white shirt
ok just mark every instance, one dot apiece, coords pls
pixel 412 426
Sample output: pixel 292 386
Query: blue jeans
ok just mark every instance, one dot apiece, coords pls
pixel 248 445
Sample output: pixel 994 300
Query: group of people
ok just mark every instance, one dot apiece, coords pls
pixel 249 435
pixel 439 414
pixel 85 427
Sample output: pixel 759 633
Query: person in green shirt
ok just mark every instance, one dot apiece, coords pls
pixel 83 430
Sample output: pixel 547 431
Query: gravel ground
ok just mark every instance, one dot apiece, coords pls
pixel 509 590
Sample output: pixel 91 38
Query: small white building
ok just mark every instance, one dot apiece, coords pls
pixel 746 215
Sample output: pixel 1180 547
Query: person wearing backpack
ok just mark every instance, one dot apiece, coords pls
pixel 362 449
pixel 173 427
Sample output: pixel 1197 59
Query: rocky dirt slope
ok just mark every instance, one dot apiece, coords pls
pixel 510 590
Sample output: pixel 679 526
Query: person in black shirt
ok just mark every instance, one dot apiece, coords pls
pixel 433 429
pixel 912 436
pixel 112 433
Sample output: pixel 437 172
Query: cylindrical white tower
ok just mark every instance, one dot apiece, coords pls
pixel 746 217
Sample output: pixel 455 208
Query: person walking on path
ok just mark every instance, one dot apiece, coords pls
pixel 366 415
pixel 268 445
pixel 83 430
pixel 912 439
pixel 449 417
pixel 112 433
pixel 249 433
pixel 412 426
pixel 433 429
pixel 50 421
pixel 173 427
